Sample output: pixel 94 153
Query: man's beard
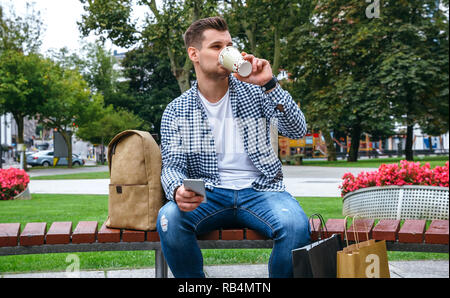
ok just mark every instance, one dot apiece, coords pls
pixel 217 74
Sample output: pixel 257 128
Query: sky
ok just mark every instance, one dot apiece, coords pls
pixel 60 22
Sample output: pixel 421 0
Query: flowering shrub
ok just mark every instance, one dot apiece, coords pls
pixel 408 173
pixel 12 182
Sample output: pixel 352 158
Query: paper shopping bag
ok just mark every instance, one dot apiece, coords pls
pixel 368 261
pixel 317 259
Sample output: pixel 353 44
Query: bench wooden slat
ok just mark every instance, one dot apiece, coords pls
pixel 335 226
pixel 9 234
pixel 108 234
pixel 437 232
pixel 133 236
pixel 33 234
pixel 153 236
pixel 362 227
pixel 59 233
pixel 213 235
pixel 412 231
pixel 254 235
pixel 386 229
pixel 85 232
pixel 232 234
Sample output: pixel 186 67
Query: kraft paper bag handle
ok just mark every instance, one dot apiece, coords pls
pixel 354 230
pixel 345 230
pixel 365 226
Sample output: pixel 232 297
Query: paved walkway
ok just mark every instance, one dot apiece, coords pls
pixel 298 187
pixel 398 269
pixel 299 180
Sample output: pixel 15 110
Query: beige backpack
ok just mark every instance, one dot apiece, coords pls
pixel 135 191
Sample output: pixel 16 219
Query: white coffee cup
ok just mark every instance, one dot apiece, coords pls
pixel 231 59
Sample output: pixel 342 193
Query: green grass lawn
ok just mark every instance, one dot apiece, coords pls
pixel 50 208
pixel 87 175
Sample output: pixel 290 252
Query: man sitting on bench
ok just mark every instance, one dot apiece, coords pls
pixel 219 131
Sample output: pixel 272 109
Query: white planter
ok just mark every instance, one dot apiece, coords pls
pixel 398 202
pixel 24 195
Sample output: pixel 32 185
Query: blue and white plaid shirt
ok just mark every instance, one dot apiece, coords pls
pixel 187 142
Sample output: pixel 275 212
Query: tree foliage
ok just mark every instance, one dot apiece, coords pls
pixel 107 124
pixel 413 68
pixel 20 33
pixel 351 74
pixel 261 27
pixel 163 27
pixel 150 85
pixel 68 103
pixel 22 85
pixel 356 74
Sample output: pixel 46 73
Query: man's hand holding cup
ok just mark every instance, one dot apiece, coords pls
pixel 261 71
pixel 246 67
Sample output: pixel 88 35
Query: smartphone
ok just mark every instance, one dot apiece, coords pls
pixel 197 186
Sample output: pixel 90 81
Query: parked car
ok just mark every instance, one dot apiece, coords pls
pixel 45 158
pixel 43 146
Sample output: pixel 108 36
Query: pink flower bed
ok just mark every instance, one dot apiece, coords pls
pixel 407 173
pixel 12 182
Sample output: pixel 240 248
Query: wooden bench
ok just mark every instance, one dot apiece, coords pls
pixel 59 238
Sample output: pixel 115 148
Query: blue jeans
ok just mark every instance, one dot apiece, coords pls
pixel 276 215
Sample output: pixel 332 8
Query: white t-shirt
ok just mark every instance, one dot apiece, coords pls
pixel 236 170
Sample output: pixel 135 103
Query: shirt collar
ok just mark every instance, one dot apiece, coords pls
pixel 231 84
pixel 193 92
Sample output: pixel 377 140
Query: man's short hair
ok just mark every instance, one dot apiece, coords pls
pixel 194 34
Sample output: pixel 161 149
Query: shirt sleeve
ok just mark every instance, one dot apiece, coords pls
pixel 173 156
pixel 279 104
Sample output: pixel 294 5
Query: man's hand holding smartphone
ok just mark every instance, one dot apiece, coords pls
pixel 187 199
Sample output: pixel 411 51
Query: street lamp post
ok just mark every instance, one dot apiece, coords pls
pixel 21 148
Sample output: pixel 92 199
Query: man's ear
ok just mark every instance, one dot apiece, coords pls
pixel 193 54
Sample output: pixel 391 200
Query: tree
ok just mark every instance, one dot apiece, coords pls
pixel 163 28
pixel 96 65
pixel 338 53
pixel 262 26
pixel 413 69
pixel 109 123
pixel 312 75
pixel 143 84
pixel 150 85
pixel 98 69
pixel 69 103
pixel 360 74
pixel 20 33
pixel 22 85
pixel 105 126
